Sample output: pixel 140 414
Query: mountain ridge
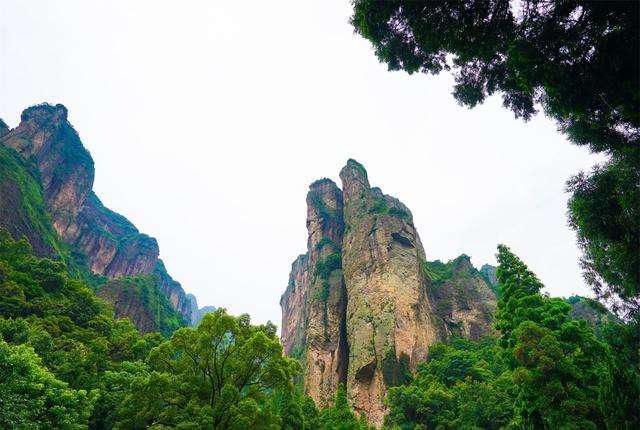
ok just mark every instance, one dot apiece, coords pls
pixel 101 242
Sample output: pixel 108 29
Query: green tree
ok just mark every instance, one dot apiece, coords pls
pixel 32 398
pixel 604 209
pixel 579 60
pixel 464 384
pixel 219 375
pixel 339 416
pixel 560 369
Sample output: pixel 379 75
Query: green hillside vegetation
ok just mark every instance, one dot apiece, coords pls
pixel 144 291
pixel 66 362
pixel 547 370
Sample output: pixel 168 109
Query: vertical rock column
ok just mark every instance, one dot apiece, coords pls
pixel 326 354
pixel 389 318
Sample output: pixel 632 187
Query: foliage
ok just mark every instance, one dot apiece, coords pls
pixel 145 288
pixel 72 332
pixel 340 416
pixel 31 397
pixel 66 363
pixel 463 385
pixel 560 369
pixel 604 209
pixel 325 241
pixel 325 266
pixel 379 206
pixel 578 60
pixel 218 375
pixel 437 271
pixel 14 169
pixel 546 370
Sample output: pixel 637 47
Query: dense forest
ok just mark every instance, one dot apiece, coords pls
pixel 67 363
pixel 112 343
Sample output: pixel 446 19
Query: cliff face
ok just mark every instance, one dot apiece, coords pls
pixel 106 242
pixel 463 299
pixel 314 303
pixel 389 317
pixel 363 306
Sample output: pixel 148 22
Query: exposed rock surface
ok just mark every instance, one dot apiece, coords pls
pixel 314 303
pixel 23 212
pixel 463 299
pixel 294 308
pixel 590 310
pixel 362 306
pixel 128 303
pixel 198 314
pixel 489 273
pixel 108 243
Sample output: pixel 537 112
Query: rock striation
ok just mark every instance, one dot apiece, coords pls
pixel 61 180
pixel 363 304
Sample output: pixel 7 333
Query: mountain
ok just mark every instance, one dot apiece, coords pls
pixel 363 304
pixel 46 196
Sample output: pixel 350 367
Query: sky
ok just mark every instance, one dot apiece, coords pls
pixel 207 121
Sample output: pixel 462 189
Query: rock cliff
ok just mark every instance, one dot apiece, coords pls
pixel 363 305
pixel 53 187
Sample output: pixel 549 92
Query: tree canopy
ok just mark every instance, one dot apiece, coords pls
pixel 579 60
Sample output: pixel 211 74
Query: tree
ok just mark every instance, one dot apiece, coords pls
pixel 562 372
pixel 579 60
pixel 546 370
pixel 604 209
pixel 32 398
pixel 464 384
pixel 339 416
pixel 218 375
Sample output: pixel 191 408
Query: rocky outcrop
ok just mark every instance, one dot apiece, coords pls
pixel 106 242
pixel 128 303
pixel 463 300
pixel 592 311
pixel 363 305
pixel 488 272
pixel 199 313
pixel 389 320
pixel 314 303
pixel 326 351
pixel 23 212
pixel 294 308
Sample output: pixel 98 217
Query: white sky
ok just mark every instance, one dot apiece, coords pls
pixel 207 120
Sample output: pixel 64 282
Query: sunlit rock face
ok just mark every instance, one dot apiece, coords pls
pixel 389 318
pixel 362 306
pixel 108 243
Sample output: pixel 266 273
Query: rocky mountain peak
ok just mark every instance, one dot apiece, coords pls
pixel 355 183
pixel 363 305
pixel 106 242
pixel 45 115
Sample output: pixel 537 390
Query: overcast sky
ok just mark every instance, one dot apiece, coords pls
pixel 207 120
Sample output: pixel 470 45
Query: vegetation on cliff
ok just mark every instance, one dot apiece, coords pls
pixel 46 179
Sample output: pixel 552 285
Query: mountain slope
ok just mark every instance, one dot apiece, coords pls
pixel 46 181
